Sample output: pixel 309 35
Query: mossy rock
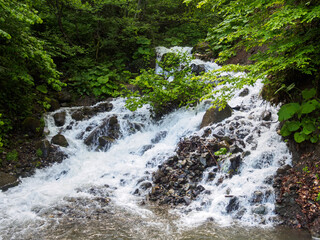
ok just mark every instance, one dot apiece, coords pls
pixel 213 115
pixel 33 126
pixel 60 140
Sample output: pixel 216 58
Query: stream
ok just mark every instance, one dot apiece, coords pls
pixel 92 194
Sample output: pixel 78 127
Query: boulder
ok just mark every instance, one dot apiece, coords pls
pixel 60 140
pixel 64 97
pixel 266 115
pixel 233 205
pixel 110 129
pixel 45 148
pixel 197 69
pixel 260 209
pixel 54 105
pixel 59 118
pixel 244 92
pixel 7 181
pixel 213 115
pixel 32 126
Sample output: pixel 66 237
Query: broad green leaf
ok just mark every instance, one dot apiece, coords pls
pixel 314 139
pixel 285 131
pixel 309 93
pixel 42 88
pixel 287 111
pixel 299 137
pixel 293 126
pixel 309 106
pixel 308 128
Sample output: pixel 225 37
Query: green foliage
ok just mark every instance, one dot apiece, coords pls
pixel 12 156
pixel 39 152
pixel 221 151
pixel 100 81
pixel 283 37
pixel 174 87
pixel 302 119
pixel 318 197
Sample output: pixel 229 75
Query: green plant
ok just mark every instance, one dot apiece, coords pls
pixel 99 81
pixel 39 152
pixel 318 197
pixel 174 87
pixel 306 169
pixel 12 156
pixel 302 119
pixel 221 151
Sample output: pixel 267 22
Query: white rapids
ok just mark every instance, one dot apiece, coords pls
pixel 134 156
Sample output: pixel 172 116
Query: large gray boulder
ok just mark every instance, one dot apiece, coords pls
pixel 59 118
pixel 7 181
pixel 213 115
pixel 60 140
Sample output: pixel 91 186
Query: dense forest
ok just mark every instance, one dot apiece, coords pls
pixel 93 47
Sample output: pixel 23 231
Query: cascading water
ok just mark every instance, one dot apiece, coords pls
pixel 99 191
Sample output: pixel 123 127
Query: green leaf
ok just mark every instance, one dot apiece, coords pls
pixel 309 93
pixel 285 130
pixel 294 126
pixel 287 111
pixel 42 88
pixel 308 128
pixel 309 106
pixel 314 139
pixel 299 137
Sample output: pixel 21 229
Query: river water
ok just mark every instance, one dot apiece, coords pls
pixel 91 194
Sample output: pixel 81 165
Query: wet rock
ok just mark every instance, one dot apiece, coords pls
pixel 64 97
pixel 159 136
pixel 203 51
pixel 233 205
pixel 60 140
pixel 235 149
pixel 261 210
pixel 197 69
pixel 244 92
pixel 110 129
pixel 54 105
pixel 266 115
pixel 257 196
pixel 45 147
pixel 213 115
pixel 145 185
pixel 33 126
pixel 59 118
pixel 145 148
pixel 282 170
pixel 235 163
pixel 105 142
pixel 7 181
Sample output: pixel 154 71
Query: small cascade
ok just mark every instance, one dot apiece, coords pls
pixel 113 155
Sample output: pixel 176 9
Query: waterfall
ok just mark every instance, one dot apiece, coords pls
pixel 114 177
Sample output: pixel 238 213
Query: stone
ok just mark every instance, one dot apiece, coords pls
pixel 266 115
pixel 54 105
pixel 45 147
pixel 235 164
pixel 197 69
pixel 244 92
pixel 233 205
pixel 33 126
pixel 146 185
pixel 64 97
pixel 159 136
pixel 283 169
pixel 7 181
pixel 213 115
pixel 59 118
pixel 260 209
pixel 60 140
